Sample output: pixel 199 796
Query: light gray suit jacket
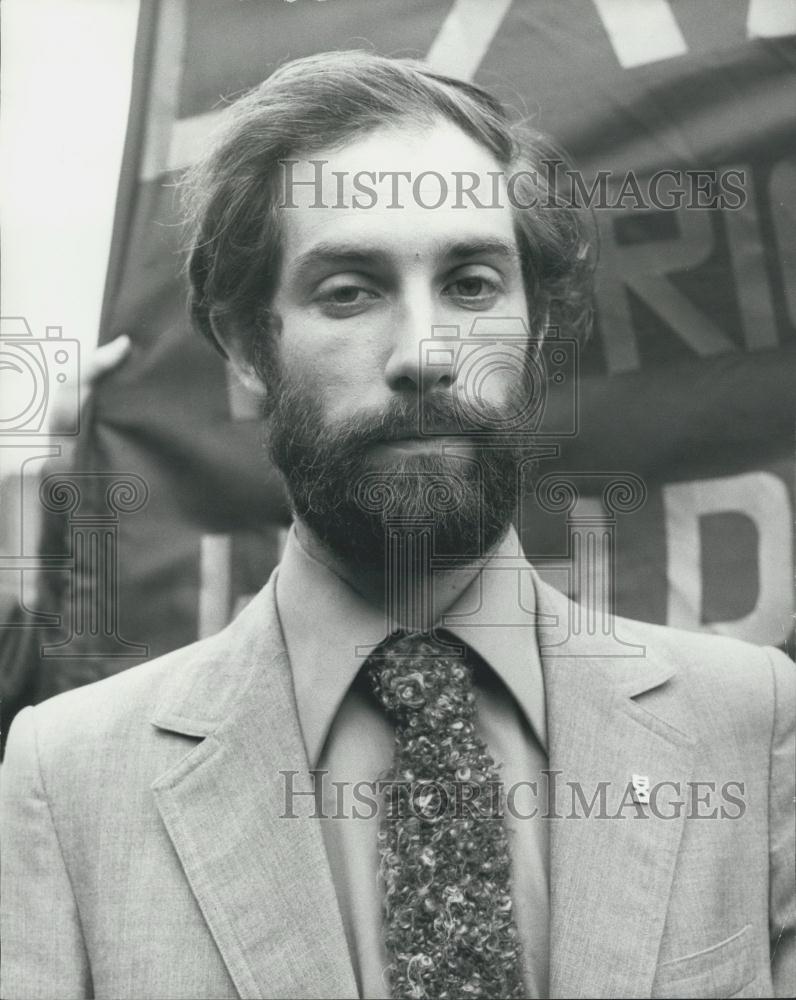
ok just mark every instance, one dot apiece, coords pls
pixel 144 856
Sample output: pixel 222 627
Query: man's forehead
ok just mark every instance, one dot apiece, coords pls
pixel 433 187
pixel 437 145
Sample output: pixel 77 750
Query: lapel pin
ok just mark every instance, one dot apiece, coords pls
pixel 641 788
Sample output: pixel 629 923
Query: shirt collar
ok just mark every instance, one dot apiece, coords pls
pixel 330 630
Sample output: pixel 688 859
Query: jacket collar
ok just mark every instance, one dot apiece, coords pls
pixel 330 629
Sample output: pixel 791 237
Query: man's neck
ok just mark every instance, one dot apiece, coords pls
pixel 412 595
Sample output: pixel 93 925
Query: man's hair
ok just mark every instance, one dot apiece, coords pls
pixel 327 100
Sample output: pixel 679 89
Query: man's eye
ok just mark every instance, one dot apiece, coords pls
pixel 346 295
pixel 474 292
pixel 470 287
pixel 346 300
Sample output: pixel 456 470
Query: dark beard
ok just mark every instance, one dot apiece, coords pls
pixel 466 501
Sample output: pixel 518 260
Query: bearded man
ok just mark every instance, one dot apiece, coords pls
pixel 355 788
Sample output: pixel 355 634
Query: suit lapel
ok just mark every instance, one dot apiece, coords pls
pixel 610 877
pixel 262 881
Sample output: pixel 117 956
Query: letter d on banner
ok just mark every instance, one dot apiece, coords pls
pixel 759 496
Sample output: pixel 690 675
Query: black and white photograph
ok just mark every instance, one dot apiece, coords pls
pixel 397 493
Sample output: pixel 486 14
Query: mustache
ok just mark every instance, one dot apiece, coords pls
pixel 436 415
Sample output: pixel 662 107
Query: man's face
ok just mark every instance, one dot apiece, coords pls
pixel 360 391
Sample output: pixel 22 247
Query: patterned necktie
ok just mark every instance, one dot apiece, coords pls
pixel 445 862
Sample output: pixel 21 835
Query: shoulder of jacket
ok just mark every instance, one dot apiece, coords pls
pixel 107 710
pixel 716 672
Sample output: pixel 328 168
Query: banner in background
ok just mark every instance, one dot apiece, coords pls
pixel 687 385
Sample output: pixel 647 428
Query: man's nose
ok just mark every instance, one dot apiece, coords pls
pixel 416 362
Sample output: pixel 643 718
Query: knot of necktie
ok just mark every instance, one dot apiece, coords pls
pixel 415 680
pixel 445 861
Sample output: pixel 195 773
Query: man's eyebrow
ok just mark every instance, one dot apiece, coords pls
pixel 337 253
pixel 487 247
pixel 354 254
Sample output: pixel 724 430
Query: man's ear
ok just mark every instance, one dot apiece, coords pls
pixel 236 343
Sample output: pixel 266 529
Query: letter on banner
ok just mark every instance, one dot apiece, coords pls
pixel 763 498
